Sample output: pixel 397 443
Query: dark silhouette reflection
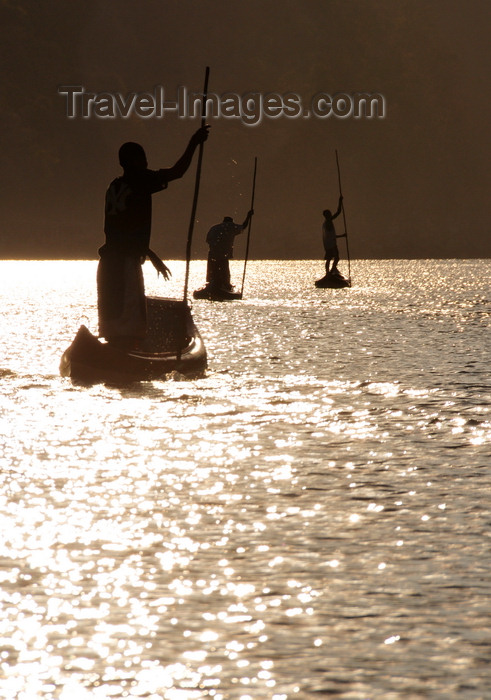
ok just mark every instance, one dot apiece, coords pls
pixel 158 390
pixel 127 228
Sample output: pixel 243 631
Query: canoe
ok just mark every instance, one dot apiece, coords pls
pixel 333 280
pixel 213 293
pixel 173 344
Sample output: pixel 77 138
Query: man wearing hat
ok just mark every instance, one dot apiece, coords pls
pixel 220 240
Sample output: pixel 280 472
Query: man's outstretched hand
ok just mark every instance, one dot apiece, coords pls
pixel 164 270
pixel 159 265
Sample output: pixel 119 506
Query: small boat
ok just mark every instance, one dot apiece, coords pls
pixel 213 293
pixel 172 344
pixel 333 280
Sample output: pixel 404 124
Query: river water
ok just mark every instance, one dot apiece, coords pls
pixel 311 519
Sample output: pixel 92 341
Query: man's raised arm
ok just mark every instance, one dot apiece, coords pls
pixel 340 207
pixel 248 217
pixel 184 161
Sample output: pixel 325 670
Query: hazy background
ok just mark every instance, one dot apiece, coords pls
pixel 416 184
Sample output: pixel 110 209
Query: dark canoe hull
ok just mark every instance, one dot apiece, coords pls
pixel 214 294
pixel 173 344
pixel 330 281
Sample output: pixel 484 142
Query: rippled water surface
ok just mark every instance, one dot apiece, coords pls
pixel 312 519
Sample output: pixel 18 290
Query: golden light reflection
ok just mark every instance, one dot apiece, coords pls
pixel 212 526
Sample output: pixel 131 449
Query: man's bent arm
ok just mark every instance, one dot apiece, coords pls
pixel 247 219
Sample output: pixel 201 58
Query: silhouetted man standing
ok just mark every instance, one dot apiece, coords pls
pixel 127 227
pixel 220 239
pixel 329 237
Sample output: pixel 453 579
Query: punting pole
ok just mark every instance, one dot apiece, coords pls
pixel 344 219
pixel 196 188
pixel 249 229
pixel 195 204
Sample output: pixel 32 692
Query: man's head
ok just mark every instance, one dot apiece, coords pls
pixel 132 156
pixel 227 220
pixel 327 213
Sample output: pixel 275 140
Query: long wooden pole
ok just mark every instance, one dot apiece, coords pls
pixel 344 218
pixel 196 188
pixel 249 229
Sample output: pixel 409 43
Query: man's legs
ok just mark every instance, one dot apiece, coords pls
pixel 219 276
pixel 334 267
pixel 121 301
